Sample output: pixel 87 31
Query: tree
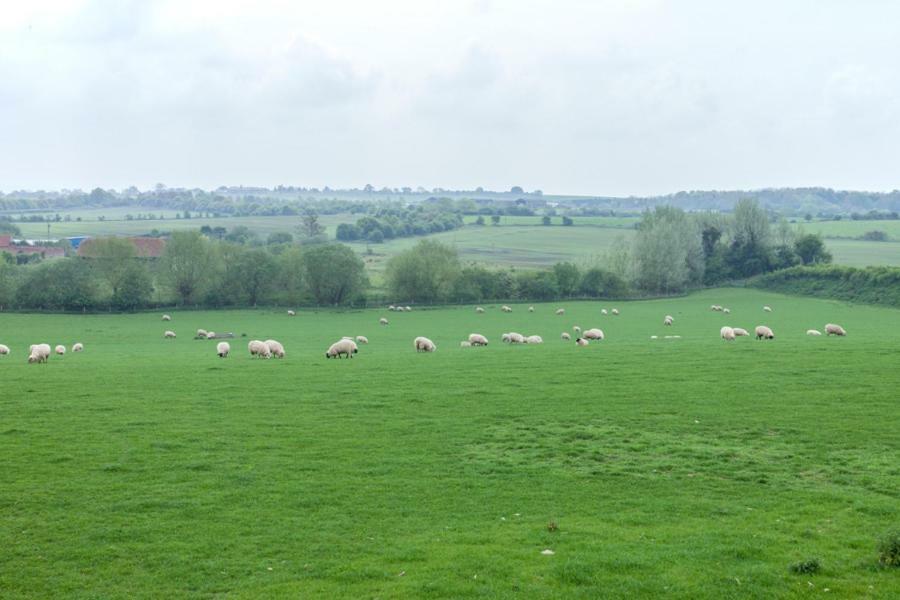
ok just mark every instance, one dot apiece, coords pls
pixel 240 235
pixel 495 219
pixel 255 269
pixel 185 264
pixel 7 228
pixel 424 273
pixel 58 285
pixel 567 221
pixel 279 237
pixel 375 236
pixel 811 249
pixel 309 226
pixel 347 232
pixel 516 190
pixel 334 273
pixel 110 257
pixel 567 278
pixel 135 287
pixel 8 282
pixel 598 283
pixel 545 220
pixel 668 251
pixel 750 252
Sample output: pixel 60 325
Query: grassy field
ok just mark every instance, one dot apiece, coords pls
pixel 847 228
pixel 684 468
pixel 857 253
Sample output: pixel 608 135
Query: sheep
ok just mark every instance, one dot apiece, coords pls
pixel 576 328
pixel 392 307
pixel 593 334
pixel 727 311
pixel 560 311
pixel 60 349
pixel 465 344
pixel 506 309
pixel 581 342
pixel 654 337
pixel 767 308
pixel 565 336
pixel 259 349
pixel 832 329
pixel 534 339
pixel 763 332
pixel 362 339
pixel 740 332
pixel 342 348
pixel 166 318
pixel 407 309
pixel 615 311
pixel 39 353
pixel 222 349
pixel 727 334
pixel 382 321
pixel 275 348
pixel 479 310
pixel 513 338
pixel 201 334
pixel 77 347
pixel 668 320
pixel 210 335
pixel 813 332
pixel 4 350
pixel 476 339
pixel 531 309
pixel 423 344
pixel 169 334
pixel 291 313
pixel 603 311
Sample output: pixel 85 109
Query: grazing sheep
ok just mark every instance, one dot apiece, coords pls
pixel 210 335
pixel 603 311
pixel 4 350
pixel 767 308
pixel 465 344
pixel 423 344
pixel 832 329
pixel 716 308
pixel 506 309
pixel 383 321
pixel 576 328
pixel 39 353
pixel 763 332
pixel 727 311
pixel 739 332
pixel 727 334
pixel 593 334
pixel 582 342
pixel 668 320
pixel 479 310
pixel 531 309
pixel 476 339
pixel 342 348
pixel 222 349
pixel 60 349
pixel 166 318
pixel 534 339
pixel 407 309
pixel 291 313
pixel 813 332
pixel 565 336
pixel 259 349
pixel 513 338
pixel 201 333
pixel 560 311
pixel 275 348
pixel 169 334
pixel 654 337
pixel 362 339
pixel 392 307
pixel 77 347
pixel 615 311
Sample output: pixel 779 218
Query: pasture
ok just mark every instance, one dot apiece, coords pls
pixel 685 468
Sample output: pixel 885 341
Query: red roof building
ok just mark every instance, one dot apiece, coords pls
pixel 6 245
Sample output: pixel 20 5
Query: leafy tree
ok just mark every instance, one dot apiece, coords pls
pixel 240 235
pixel 540 285
pixel 375 236
pixel 811 249
pixel 424 273
pixel 58 285
pixel 347 232
pixel 668 251
pixel 516 190
pixel 545 221
pixel 334 273
pixel 279 237
pixel 598 283
pixel 750 252
pixel 8 282
pixel 309 226
pixel 135 287
pixel 479 220
pixel 567 278
pixel 111 258
pixel 186 264
pixel 567 221
pixel 7 228
pixel 255 269
pixel 495 219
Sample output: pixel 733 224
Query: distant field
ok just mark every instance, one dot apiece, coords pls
pixel 852 229
pixel 687 468
pixel 856 253
pixel 619 222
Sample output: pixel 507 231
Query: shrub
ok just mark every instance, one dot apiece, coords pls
pixel 889 549
pixel 806 567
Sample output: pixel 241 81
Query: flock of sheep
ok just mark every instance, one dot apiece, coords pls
pixel 40 353
pixel 762 332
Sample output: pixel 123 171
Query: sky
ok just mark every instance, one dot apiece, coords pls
pixel 595 97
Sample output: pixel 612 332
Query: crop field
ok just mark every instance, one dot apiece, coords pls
pixel 847 228
pixel 683 468
pixel 857 253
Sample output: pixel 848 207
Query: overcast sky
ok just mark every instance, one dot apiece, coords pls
pixel 591 97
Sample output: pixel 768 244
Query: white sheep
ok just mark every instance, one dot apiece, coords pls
pixel 476 339
pixel 593 334
pixel 615 311
pixel 534 339
pixel 222 349
pixel 465 344
pixel 362 339
pixel 77 347
pixel 423 344
pixel 4 350
pixel 832 329
pixel 767 308
pixel 342 348
pixel 479 310
pixel 603 311
pixel 407 309
pixel 582 342
pixel 727 311
pixel 39 353
pixel 201 333
pixel 275 348
pixel 727 333
pixel 291 313
pixel 668 320
pixel 166 318
pixel 169 334
pixel 813 332
pixel 530 309
pixel 210 335
pixel 259 349
pixel 560 311
pixel 565 336
pixel 763 332
pixel 60 349
pixel 576 328
pixel 654 337
pixel 740 332
pixel 513 338
pixel 383 321
pixel 506 309
pixel 392 307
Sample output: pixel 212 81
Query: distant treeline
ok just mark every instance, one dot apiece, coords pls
pixel 870 285
pixel 394 222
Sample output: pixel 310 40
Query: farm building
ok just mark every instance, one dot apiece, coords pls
pixel 7 244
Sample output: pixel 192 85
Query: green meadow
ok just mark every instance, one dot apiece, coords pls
pixel 684 468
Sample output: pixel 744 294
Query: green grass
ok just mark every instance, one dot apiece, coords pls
pixel 857 253
pixel 684 468
pixel 847 228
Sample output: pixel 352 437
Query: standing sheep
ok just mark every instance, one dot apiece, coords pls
pixel 576 328
pixel 77 347
pixel 727 334
pixel 479 310
pixel 342 348
pixel 603 311
pixel 727 311
pixel 222 349
pixel 423 344
pixel 259 349
pixel 764 333
pixel 767 308
pixel 4 350
pixel 832 329
pixel 382 321
pixel 615 311
pixel 166 318
pixel 593 334
pixel 169 334
pixel 362 339
pixel 275 348
pixel 506 309
pixel 813 332
pixel 560 311
pixel 201 334
pixel 668 320
pixel 291 313
pixel 582 342
pixel 534 339
pixel 476 339
pixel 565 336
pixel 60 349
pixel 530 309
pixel 210 335
pixel 39 353
pixel 739 332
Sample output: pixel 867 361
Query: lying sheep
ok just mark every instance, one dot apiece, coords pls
pixel 60 349
pixel 166 318
pixel 77 347
pixel 259 349
pixel 565 336
pixel 582 342
pixel 222 349
pixel 476 339
pixel 534 339
pixel 201 334
pixel 383 321
pixel 506 309
pixel 479 310
pixel 291 313
pixel 342 348
pixel 362 339
pixel 465 344
pixel 668 320
pixel 767 308
pixel 832 329
pixel 727 334
pixel 727 311
pixel 560 311
pixel 764 333
pixel 615 311
pixel 169 334
pixel 210 335
pixel 576 328
pixel 739 332
pixel 275 348
pixel 4 350
pixel 423 344
pixel 813 332
pixel 593 334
